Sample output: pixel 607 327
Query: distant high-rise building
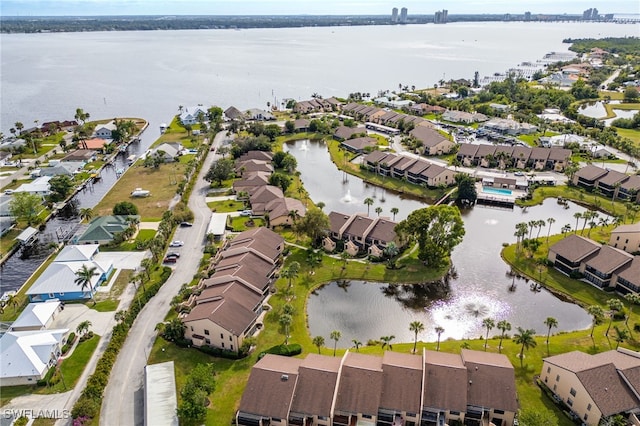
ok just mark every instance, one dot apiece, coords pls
pixel 403 15
pixel 440 17
pixel 527 16
pixel 394 15
pixel 595 14
pixel 590 14
pixel 506 17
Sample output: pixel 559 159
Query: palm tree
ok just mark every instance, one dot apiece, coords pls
pixel 550 221
pixel 285 320
pixel 147 264
pixel 356 344
pixel 86 214
pixel 84 276
pixel 368 202
pixel 577 216
pixel 386 341
pixel 378 210
pixel 416 327
pixel 526 339
pixel 615 305
pixel 318 341
pixel 597 313
pixel 320 205
pixel 550 322
pixel 621 335
pixel 12 299
pixel 83 327
pixel 487 323
pixel 394 212
pixel 503 326
pixel 439 331
pixel 291 272
pixel 633 299
pixel 335 336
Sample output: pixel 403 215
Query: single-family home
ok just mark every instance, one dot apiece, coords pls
pixel 626 237
pixel 597 386
pixel 343 132
pixel 233 113
pixel 96 144
pixel 103 131
pixel 258 115
pixel 37 316
pixel 39 186
pixel 102 229
pixel 81 155
pixel 190 115
pixel 432 141
pixel 27 356
pixel 168 151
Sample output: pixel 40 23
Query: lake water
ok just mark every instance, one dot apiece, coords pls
pixel 481 288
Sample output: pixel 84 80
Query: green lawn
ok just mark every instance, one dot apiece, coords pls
pixel 8 240
pixel 241 223
pixel 226 206
pixel 632 134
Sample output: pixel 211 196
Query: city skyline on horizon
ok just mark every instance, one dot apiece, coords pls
pixel 304 7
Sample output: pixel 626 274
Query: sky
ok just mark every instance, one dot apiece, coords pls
pixel 296 7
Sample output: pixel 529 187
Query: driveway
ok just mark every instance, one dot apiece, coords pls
pixel 122 259
pixel 74 313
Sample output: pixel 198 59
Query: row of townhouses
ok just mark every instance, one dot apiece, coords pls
pixel 384 116
pixel 231 299
pixel 519 157
pixel 360 233
pixel 604 266
pixel 431 389
pixel 255 167
pixel 317 105
pixel 416 171
pixel 610 183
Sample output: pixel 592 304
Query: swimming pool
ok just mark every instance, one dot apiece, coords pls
pixel 498 191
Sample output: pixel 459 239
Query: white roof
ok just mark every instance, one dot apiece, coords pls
pixel 27 234
pixel 73 253
pixel 59 277
pixel 36 314
pixel 217 224
pixel 160 401
pixel 40 184
pixel 27 353
pixel 108 126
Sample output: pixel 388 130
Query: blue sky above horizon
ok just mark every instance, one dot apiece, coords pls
pixel 311 7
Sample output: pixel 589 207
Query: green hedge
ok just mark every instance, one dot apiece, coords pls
pixel 88 405
pixel 285 350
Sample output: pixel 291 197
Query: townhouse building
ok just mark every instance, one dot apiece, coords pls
pixel 360 233
pixel 610 183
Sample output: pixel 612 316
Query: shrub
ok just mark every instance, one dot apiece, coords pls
pixel 65 348
pixel 71 338
pixel 285 350
pixel 220 353
pixel 86 407
pixel 45 380
pixel 86 336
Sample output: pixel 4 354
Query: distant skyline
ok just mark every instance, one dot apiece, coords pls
pixel 298 7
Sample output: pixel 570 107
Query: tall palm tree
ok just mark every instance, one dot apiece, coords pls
pixel 416 327
pixel 621 335
pixel 394 212
pixel 503 326
pixel 633 299
pixel 597 313
pixel 318 341
pixel 285 320
pixel 356 344
pixel 487 323
pixel 526 338
pixel 378 210
pixel 550 322
pixel 368 202
pixel 577 216
pixel 615 305
pixel 386 341
pixel 147 265
pixel 83 278
pixel 550 221
pixel 439 331
pixel 335 336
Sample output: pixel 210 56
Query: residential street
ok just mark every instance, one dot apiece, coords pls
pixel 123 402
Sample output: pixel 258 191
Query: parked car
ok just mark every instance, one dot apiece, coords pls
pixel 246 213
pixel 176 243
pixel 186 224
pixel 170 259
pixel 173 254
pixel 519 174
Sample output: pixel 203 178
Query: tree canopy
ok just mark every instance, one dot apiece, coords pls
pixel 60 186
pixel 220 170
pixel 467 193
pixel 125 208
pixel 313 224
pixel 25 205
pixel 437 229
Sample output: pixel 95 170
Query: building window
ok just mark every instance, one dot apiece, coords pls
pixel 191 328
pixel 546 379
pixel 555 387
pixel 572 392
pixel 221 336
pixel 206 332
pixel 586 416
pixel 366 416
pixel 230 339
pixel 558 378
pixel 570 402
pixel 589 407
pixel 207 341
pixel 618 238
pixel 498 411
pixel 548 369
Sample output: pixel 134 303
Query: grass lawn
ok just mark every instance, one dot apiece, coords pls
pixel 109 302
pixel 632 134
pixel 8 240
pixel 226 206
pixel 7 393
pixel 161 182
pixel 240 223
pixel 72 367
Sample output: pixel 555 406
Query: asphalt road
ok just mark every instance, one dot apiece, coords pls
pixel 123 402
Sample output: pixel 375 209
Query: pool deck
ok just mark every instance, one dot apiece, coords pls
pixel 506 200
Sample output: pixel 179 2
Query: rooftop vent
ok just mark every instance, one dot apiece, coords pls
pixel 284 377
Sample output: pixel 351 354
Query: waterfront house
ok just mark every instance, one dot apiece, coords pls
pixel 385 165
pixel 37 316
pixel 610 183
pixel 629 189
pixel 255 155
pixel 399 168
pixel 233 113
pixel 414 172
pixel 83 156
pixel 597 386
pixel 257 114
pixel 568 254
pixel 359 145
pixel 301 125
pixel 372 160
pixel 96 144
pixel 626 237
pixel 27 356
pixel 191 114
pixel 103 229
pixel 627 278
pixel 169 151
pixel 473 387
pixel 104 131
pixel 39 186
pixel 364 233
pixel 432 141
pixel 343 132
pixel 587 177
pixel 436 175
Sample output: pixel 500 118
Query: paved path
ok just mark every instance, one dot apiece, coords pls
pixel 123 402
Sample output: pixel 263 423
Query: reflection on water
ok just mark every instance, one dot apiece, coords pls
pixel 482 285
pixel 593 109
pixel 621 113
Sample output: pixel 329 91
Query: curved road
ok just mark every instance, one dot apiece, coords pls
pixel 123 402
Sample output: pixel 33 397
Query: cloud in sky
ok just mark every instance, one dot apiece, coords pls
pixel 278 7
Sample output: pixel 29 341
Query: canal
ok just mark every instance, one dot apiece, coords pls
pixel 481 286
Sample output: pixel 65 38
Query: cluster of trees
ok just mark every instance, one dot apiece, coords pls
pixel 199 385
